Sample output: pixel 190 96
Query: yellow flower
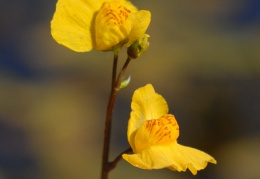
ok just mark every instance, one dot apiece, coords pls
pixel 83 25
pixel 152 134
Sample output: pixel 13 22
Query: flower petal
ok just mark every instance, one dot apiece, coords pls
pixel 175 157
pixel 141 22
pixel 162 131
pixel 157 157
pixel 112 25
pixel 196 159
pixel 146 105
pixel 72 26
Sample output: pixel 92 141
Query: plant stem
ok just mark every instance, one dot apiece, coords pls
pixel 106 167
pixel 114 70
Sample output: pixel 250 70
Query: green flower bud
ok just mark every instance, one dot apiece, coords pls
pixel 138 47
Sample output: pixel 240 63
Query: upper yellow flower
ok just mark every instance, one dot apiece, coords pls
pixel 83 25
pixel 152 134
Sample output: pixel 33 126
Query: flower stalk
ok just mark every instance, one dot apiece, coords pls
pixel 106 165
pixel 114 71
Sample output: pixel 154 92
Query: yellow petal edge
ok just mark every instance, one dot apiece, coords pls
pixel 152 134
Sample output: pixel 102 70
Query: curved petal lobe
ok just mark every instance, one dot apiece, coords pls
pixel 72 21
pixel 141 22
pixel 146 105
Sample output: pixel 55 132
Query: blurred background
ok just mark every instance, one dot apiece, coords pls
pixel 204 58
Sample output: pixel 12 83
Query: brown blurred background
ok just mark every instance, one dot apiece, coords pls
pixel 204 58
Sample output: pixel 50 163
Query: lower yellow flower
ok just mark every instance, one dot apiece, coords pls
pixel 83 25
pixel 152 134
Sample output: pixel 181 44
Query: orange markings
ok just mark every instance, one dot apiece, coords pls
pixel 163 129
pixel 117 16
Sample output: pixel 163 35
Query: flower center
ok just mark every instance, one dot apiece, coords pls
pixel 157 132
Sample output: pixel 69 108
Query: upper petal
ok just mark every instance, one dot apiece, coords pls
pixel 72 21
pixel 146 105
pixel 141 21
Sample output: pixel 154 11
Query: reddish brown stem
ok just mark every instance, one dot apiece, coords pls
pixel 114 70
pixel 106 167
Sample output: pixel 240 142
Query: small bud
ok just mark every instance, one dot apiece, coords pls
pixel 125 82
pixel 138 47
